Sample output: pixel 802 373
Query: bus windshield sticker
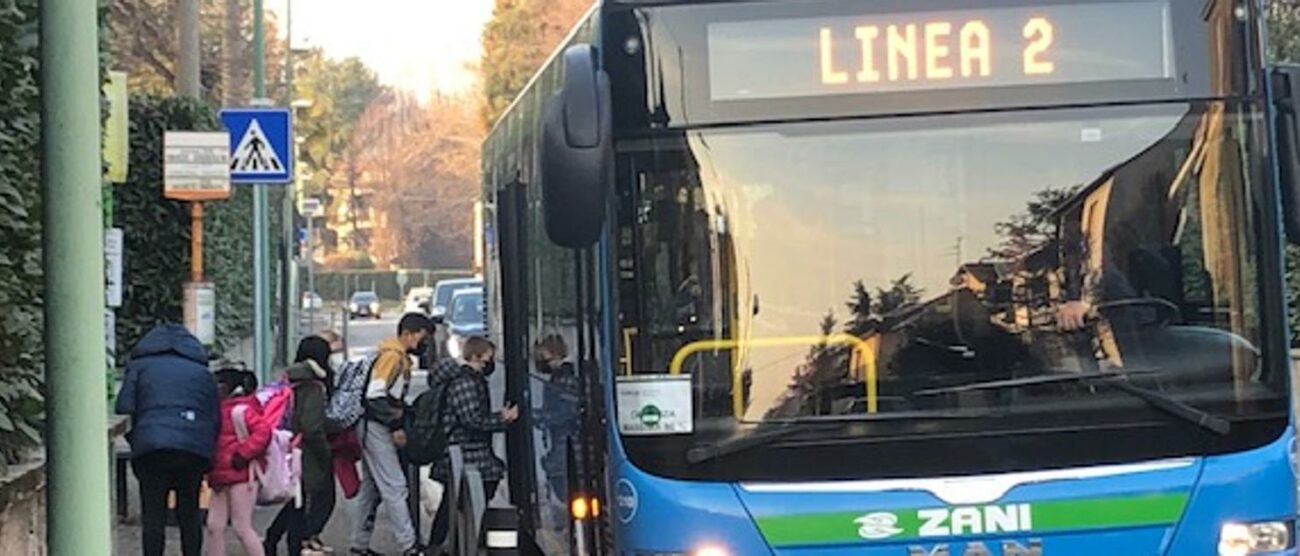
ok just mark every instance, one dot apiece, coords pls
pixel 651 405
pixel 906 52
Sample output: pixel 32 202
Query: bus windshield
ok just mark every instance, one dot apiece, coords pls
pixel 975 265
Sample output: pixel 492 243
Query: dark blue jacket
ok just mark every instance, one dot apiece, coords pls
pixel 170 395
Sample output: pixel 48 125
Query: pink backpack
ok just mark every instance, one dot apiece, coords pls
pixel 279 477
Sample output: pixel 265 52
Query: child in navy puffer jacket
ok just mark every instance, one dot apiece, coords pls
pixel 171 397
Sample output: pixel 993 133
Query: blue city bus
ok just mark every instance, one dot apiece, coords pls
pixel 918 277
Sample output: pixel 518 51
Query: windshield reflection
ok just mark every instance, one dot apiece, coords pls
pixel 844 268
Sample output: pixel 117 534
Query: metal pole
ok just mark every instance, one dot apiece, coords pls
pixel 77 459
pixel 347 334
pixel 288 278
pixel 196 242
pixel 187 74
pixel 311 267
pixel 261 225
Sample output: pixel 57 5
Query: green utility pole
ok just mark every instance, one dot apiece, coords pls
pixel 73 233
pixel 288 267
pixel 261 224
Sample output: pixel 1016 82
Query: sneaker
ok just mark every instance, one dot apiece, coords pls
pixel 363 552
pixel 316 545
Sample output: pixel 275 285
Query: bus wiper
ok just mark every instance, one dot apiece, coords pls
pixel 1057 378
pixel 1116 380
pixel 788 427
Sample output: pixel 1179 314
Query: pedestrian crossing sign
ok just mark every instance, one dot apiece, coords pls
pixel 261 145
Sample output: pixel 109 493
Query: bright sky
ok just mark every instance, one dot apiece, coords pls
pixel 417 45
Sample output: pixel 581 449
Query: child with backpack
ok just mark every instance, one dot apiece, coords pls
pixel 308 378
pixel 242 440
pixel 468 422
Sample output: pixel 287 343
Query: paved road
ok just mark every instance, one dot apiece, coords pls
pixel 363 336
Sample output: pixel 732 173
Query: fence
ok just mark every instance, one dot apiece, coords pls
pixel 339 285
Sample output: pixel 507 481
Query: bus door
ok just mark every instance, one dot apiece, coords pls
pixel 512 218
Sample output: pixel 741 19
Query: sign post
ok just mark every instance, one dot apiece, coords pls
pixel 311 207
pixel 201 311
pixel 261 154
pixel 196 169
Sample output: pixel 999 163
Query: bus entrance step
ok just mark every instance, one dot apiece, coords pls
pixel 501 531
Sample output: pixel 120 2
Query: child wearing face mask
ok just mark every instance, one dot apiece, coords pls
pixel 382 437
pixel 559 415
pixel 318 514
pixel 309 378
pixel 470 422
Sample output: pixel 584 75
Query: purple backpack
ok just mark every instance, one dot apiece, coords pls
pixel 279 479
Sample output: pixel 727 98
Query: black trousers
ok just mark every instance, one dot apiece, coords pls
pixel 161 473
pixel 300 524
pixel 319 510
pixel 441 522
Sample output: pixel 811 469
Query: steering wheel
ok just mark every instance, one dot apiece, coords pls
pixel 1167 310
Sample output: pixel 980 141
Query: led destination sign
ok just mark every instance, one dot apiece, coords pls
pixel 879 53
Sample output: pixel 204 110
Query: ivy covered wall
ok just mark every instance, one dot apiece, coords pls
pixel 21 350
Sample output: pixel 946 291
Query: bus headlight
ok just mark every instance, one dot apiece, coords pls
pixel 1243 539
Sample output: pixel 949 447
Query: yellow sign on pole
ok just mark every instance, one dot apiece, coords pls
pixel 117 127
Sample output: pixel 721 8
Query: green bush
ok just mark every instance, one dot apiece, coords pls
pixel 157 233
pixel 21 352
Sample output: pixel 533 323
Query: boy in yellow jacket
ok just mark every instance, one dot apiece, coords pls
pixel 383 478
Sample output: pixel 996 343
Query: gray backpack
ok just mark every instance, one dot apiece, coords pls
pixel 346 407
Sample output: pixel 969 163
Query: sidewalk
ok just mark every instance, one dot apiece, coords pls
pixel 126 540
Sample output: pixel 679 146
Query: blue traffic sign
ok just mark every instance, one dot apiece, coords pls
pixel 261 145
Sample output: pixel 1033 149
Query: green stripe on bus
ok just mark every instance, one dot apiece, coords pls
pixel 913 523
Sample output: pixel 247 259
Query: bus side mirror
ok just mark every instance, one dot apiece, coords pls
pixel 577 152
pixel 1286 98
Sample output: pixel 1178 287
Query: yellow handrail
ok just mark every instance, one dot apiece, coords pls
pixel 863 354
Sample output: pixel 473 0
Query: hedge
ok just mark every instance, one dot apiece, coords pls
pixel 21 349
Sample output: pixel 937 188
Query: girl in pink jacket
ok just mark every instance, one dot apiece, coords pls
pixel 234 491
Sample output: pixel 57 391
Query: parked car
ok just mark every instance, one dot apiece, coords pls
pixel 466 317
pixel 310 300
pixel 364 304
pixel 419 300
pixel 444 291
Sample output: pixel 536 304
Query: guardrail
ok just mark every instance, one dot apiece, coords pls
pixel 339 285
pixel 468 504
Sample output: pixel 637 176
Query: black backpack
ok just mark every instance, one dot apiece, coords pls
pixel 426 432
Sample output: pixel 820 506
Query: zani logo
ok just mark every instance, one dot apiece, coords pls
pixel 941 522
pixel 878 525
pixel 945 522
